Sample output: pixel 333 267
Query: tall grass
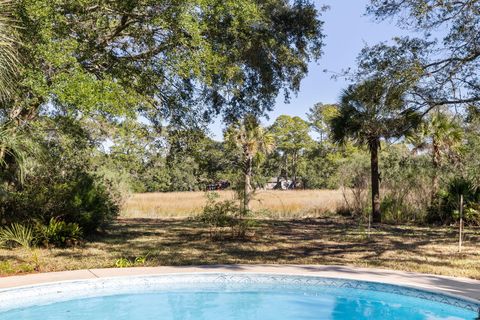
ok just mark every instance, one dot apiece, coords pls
pixel 270 204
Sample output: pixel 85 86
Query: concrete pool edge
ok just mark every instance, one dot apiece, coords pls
pixel 463 288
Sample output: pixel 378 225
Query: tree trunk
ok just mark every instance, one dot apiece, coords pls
pixel 247 184
pixel 436 165
pixel 2 153
pixel 376 214
pixel 294 170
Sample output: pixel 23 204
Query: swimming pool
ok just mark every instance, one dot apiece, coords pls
pixel 228 296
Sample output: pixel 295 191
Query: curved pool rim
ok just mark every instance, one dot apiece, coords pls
pixel 58 291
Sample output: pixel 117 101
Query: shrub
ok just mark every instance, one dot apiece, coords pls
pixel 123 263
pixel 353 177
pixel 23 235
pixel 80 197
pixel 17 234
pixel 59 233
pixel 218 215
pixel 445 209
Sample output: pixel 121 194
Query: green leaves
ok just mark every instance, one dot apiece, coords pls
pixel 9 56
pixel 446 70
pixel 16 147
pixel 291 134
pixel 167 59
pixel 372 110
pixel 249 138
pixel 19 234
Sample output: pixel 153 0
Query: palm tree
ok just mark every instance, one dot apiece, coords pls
pixel 368 112
pixel 250 140
pixel 15 148
pixel 441 135
pixel 8 50
pixel 15 144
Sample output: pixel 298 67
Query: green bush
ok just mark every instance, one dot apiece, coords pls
pixel 445 209
pixel 59 233
pixel 218 215
pixel 80 198
pixel 17 234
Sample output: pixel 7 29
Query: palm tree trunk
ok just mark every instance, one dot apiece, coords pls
pixel 436 165
pixel 376 214
pixel 294 170
pixel 247 188
pixel 2 153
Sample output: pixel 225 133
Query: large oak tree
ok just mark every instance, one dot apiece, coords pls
pixel 177 61
pixel 443 53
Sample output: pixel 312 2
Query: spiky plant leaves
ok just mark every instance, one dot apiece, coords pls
pixel 8 50
pixel 18 234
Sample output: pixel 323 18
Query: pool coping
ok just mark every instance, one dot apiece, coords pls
pixel 457 287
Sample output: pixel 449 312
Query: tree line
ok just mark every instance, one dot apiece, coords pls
pixel 100 97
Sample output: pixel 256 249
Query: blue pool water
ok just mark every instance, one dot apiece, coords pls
pixel 215 301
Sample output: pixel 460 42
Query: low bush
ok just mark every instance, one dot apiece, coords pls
pixel 127 263
pixel 17 234
pixel 226 214
pixel 59 233
pixel 445 208
pixel 79 198
pixel 22 235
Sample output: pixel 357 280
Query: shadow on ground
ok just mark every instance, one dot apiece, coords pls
pixel 307 241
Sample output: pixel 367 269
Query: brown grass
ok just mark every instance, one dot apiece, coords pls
pixel 273 204
pixel 302 241
pixel 295 229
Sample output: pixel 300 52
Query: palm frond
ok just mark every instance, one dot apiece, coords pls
pixel 18 234
pixel 249 137
pixel 8 50
pixel 16 147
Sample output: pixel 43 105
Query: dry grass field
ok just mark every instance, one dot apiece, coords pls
pixel 268 204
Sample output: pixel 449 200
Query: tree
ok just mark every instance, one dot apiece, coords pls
pixel 180 61
pixel 14 145
pixel 100 65
pixel 319 116
pixel 8 50
pixel 368 112
pixel 15 149
pixel 448 67
pixel 292 140
pixel 251 141
pixel 441 135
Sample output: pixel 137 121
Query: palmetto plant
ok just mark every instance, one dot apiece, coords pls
pixel 251 141
pixel 8 50
pixel 15 149
pixel 24 236
pixel 441 135
pixel 17 233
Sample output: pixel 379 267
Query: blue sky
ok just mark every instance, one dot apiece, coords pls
pixel 348 30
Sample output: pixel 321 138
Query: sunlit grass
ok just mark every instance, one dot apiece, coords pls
pixel 273 204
